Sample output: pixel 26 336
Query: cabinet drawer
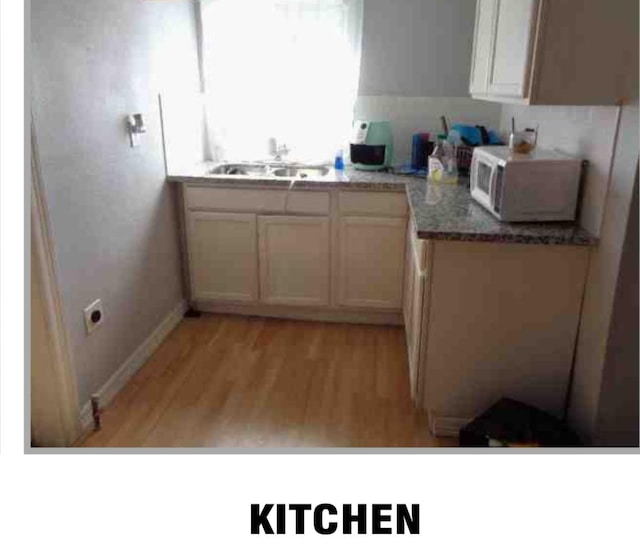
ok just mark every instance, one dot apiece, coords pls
pixel 234 199
pixel 373 204
pixel 308 203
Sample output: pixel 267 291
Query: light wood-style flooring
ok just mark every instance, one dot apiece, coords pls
pixel 232 381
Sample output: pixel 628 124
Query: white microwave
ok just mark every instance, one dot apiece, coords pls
pixel 537 187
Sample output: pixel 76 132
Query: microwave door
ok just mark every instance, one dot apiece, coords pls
pixel 484 181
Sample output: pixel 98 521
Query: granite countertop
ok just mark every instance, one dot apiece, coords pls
pixel 449 212
pixel 445 212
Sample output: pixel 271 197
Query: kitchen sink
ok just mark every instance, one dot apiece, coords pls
pixel 250 169
pixel 301 172
pixel 269 170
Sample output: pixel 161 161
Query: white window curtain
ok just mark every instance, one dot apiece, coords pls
pixel 283 69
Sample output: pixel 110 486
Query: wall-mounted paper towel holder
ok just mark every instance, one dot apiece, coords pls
pixel 135 126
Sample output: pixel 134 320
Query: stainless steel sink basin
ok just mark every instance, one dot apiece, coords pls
pixel 251 169
pixel 301 172
pixel 269 170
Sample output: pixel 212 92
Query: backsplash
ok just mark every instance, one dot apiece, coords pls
pixel 409 115
pixel 585 132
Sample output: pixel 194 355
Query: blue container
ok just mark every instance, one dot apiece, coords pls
pixel 420 150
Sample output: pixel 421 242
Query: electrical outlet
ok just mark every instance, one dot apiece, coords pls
pixel 93 316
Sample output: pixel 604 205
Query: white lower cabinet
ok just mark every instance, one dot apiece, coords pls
pixel 294 260
pixel 491 320
pixel 340 254
pixel 371 258
pixel 223 256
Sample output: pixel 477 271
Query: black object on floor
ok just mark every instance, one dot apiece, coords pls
pixel 510 423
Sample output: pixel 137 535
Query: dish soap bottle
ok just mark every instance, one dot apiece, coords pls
pixel 338 164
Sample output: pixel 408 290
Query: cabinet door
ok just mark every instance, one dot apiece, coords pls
pixel 371 258
pixel 411 289
pixel 414 332
pixel 407 293
pixel 511 57
pixel 415 298
pixel 294 260
pixel 482 46
pixel 223 256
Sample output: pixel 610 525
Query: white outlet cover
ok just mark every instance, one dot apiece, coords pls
pixel 88 311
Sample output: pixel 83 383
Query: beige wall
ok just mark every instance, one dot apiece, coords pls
pixel 113 218
pixel 417 48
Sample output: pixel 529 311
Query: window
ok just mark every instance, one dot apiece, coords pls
pixel 283 69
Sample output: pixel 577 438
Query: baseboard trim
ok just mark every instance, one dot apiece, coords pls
pixel 306 313
pixel 442 426
pixel 134 362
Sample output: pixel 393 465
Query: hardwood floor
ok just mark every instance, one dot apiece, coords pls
pixel 231 381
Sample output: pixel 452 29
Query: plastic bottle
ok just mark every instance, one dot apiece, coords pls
pixel 436 160
pixel 338 164
pixel 442 162
pixel 451 162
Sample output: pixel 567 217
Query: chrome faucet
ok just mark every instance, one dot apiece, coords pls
pixel 277 150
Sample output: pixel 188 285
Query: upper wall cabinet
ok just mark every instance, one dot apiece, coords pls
pixel 553 52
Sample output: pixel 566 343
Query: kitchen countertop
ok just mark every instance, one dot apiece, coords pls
pixel 350 179
pixel 449 212
pixel 445 212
